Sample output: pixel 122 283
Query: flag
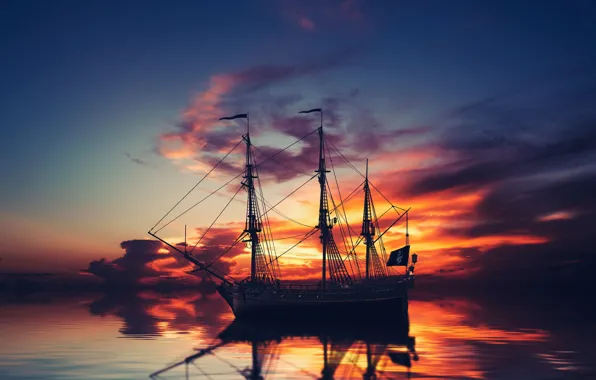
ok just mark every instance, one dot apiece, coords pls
pixel 401 358
pixel 312 110
pixel 239 116
pixel 399 257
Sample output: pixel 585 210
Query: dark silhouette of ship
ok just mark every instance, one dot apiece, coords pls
pixel 344 287
pixel 341 341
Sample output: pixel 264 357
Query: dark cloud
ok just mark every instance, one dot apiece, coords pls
pixel 492 160
pixel 354 130
pixel 507 209
pixel 215 243
pixel 132 266
pixel 229 166
pixel 566 262
pixel 146 263
pixel 137 160
pixel 566 257
pixel 201 136
pixel 534 163
pixel 295 126
pixel 286 165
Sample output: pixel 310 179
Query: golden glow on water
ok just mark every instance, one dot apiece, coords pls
pixel 444 336
pixel 450 341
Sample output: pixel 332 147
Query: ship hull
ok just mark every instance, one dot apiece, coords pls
pixel 269 301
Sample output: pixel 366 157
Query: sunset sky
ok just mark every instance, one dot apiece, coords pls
pixel 481 117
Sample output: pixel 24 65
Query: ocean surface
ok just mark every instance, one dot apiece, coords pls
pixel 132 336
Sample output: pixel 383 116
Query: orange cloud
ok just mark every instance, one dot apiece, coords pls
pixel 453 221
pixel 559 215
pixel 199 119
pixel 438 224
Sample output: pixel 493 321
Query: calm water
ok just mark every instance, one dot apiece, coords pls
pixel 131 337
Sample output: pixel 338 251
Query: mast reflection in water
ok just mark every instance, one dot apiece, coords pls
pixel 348 348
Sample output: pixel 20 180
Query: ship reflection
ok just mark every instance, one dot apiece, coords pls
pixel 356 347
pixel 148 314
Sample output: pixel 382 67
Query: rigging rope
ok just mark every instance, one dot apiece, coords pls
pixel 360 238
pixel 341 231
pixel 203 372
pixel 345 159
pixel 287 196
pixel 269 242
pixel 224 185
pixel 392 224
pixel 285 216
pixel 197 184
pixel 238 239
pixel 265 214
pixel 345 216
pixel 284 165
pixel 354 246
pixel 376 219
pixel 348 197
pixel 221 212
pixel 261 216
pixel 226 361
pixel 339 193
pixel 377 226
pixel 389 209
pixel 308 234
pixel 378 268
pixel 201 201
pixel 290 237
pixel 359 172
pixel 242 234
pixel 267 230
pixel 289 146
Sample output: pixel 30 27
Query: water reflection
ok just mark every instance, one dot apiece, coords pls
pixel 335 339
pixel 149 314
pixel 68 337
pixel 453 337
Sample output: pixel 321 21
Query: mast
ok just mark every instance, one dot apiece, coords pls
pixel 331 255
pixel 407 232
pixel 370 368
pixel 255 372
pixel 323 203
pixel 374 267
pixel 251 227
pixel 326 371
pixel 368 228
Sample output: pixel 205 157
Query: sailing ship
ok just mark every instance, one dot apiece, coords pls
pixel 377 288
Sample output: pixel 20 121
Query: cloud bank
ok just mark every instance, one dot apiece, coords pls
pixel 500 187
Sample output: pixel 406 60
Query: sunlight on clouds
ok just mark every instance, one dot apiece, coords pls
pixel 559 215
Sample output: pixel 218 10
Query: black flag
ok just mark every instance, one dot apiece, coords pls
pixel 312 110
pixel 239 116
pixel 401 358
pixel 399 257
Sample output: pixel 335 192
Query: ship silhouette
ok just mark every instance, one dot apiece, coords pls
pixel 344 288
